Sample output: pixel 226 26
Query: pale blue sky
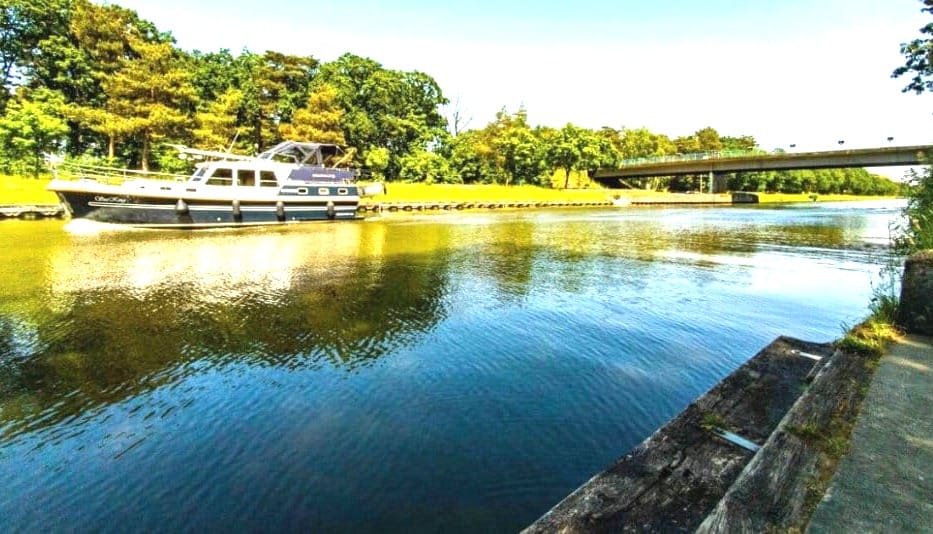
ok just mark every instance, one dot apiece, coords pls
pixel 808 72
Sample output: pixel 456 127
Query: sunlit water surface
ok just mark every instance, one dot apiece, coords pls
pixel 459 372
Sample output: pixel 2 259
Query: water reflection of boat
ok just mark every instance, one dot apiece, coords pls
pixel 215 265
pixel 291 182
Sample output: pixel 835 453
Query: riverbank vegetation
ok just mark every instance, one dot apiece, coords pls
pixel 94 81
pixel 24 190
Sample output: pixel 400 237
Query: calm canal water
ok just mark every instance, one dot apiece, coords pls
pixel 460 372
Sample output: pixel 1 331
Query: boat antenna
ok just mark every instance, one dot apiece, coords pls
pixel 347 156
pixel 229 150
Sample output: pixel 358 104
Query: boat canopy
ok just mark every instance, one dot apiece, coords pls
pixel 297 152
pixel 301 153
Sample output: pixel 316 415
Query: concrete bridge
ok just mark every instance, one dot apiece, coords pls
pixel 716 163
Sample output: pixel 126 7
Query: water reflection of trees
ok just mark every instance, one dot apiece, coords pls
pixel 102 339
pixel 117 316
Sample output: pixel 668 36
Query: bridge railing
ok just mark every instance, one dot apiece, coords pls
pixel 717 154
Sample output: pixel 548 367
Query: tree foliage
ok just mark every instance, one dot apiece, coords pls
pixel 121 88
pixel 23 25
pixel 395 110
pixel 150 97
pixel 216 125
pixel 919 54
pixel 427 167
pixel 577 149
pixel 31 127
pixel 642 143
pixel 319 120
pixel 916 232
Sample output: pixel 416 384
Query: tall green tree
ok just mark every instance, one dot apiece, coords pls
pixel 216 123
pixel 426 167
pixel 271 87
pixel 708 139
pixel 395 110
pixel 473 157
pixel 215 73
pixel 642 143
pixel 916 232
pixel 919 55
pixel 519 151
pixel 274 85
pixel 23 25
pixel 32 126
pixel 687 144
pixel 94 44
pixel 704 140
pixel 319 120
pixel 744 143
pixel 225 117
pixel 151 95
pixel 577 149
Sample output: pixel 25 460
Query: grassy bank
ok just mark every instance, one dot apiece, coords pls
pixel 16 190
pixel 776 198
pixel 401 192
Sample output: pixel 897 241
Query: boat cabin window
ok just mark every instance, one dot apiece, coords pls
pixel 246 177
pixel 198 174
pixel 267 179
pixel 221 176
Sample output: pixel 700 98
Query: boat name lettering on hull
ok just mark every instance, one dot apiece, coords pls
pixel 100 198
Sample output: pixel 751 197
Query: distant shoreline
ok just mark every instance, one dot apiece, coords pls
pixel 19 191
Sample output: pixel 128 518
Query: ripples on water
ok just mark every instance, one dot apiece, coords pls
pixel 456 373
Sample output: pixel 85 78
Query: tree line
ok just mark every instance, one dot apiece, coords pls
pixel 99 83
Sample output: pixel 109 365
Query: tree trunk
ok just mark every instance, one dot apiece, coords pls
pixel 566 177
pixel 75 143
pixel 146 148
pixel 111 146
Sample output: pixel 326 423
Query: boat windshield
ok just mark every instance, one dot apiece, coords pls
pixel 301 153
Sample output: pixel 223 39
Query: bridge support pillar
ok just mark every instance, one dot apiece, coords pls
pixel 718 183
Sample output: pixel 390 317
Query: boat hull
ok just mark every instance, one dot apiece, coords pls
pixel 145 211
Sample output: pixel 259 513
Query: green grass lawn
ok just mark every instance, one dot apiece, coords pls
pixel 401 193
pixel 16 190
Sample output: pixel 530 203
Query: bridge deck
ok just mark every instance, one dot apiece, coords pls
pixel 867 157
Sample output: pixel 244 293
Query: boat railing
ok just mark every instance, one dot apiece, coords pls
pixel 109 175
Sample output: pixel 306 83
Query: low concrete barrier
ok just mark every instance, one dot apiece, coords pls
pixel 31 211
pixel 915 312
pixel 675 478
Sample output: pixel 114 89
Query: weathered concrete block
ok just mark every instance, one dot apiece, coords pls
pixel 915 312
